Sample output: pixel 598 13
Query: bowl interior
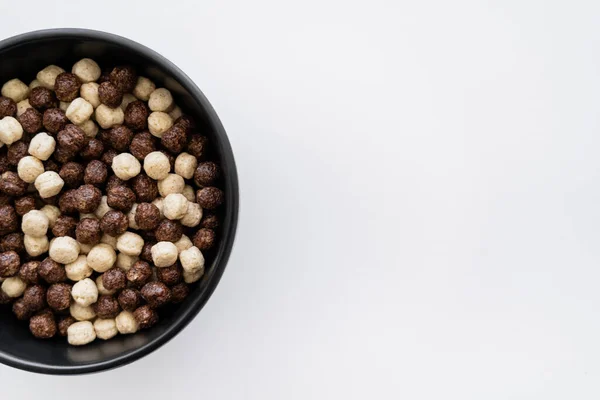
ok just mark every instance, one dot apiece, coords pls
pixel 23 57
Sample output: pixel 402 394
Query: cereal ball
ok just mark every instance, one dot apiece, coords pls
pixel 185 165
pixel 170 275
pixel 127 99
pixel 43 326
pixel 10 130
pixel 125 262
pixel 42 146
pixel 130 299
pixel 54 120
pixel 8 108
pixel 15 90
pixel 78 269
pixel 85 292
pixel 156 165
pixel 102 257
pixel 206 174
pixel 110 240
pixel 114 181
pixel 64 249
pixel 35 223
pixel 174 139
pixel 58 296
pixel 87 197
pixel 23 106
pixel 42 98
pixel 12 242
pixel 47 76
pixel 64 323
pixel 24 204
pixel 62 155
pixel 158 202
pixel 92 150
pixel 192 259
pixel 164 254
pixel 29 168
pixel 21 309
pixel 71 138
pixel 90 93
pixel 131 217
pixel 50 165
pixel 183 244
pixel 173 183
pixel 143 88
pixel 35 297
pixel 81 313
pixel 101 289
pixel 191 277
pixel 147 251
pixel 108 156
pixel 126 323
pixel 9 264
pixel 120 137
pixel 81 333
pixel 95 173
pixel 204 239
pixel 72 174
pixel 52 212
pixel 87 70
pixel 145 317
pixel 88 231
pixel 9 221
pixel 31 120
pixel 197 145
pixel 121 198
pixel 29 272
pixel 107 307
pixel 147 216
pixel 130 244
pixel 158 123
pixel 16 151
pixel 79 111
pixel 48 184
pixel 114 223
pixel 108 117
pixel 175 206
pixel 179 292
pixel 160 100
pixel 209 197
pixel 175 113
pixel 124 78
pixel 13 286
pixel 105 328
pixel 168 231
pixel 142 144
pixel 12 185
pixel 139 274
pixel 64 226
pixel 126 166
pixel 64 106
pixel 193 215
pixel 102 208
pixel 146 189
pixel 136 115
pixel 110 95
pixel 35 246
pixel 67 86
pixel 157 294
pixel 114 279
pixel 4 166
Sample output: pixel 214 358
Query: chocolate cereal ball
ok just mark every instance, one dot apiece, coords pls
pixel 210 197
pixel 54 120
pixel 147 251
pixel 147 216
pixel 107 307
pixel 119 137
pixel 29 272
pixel 35 297
pixel 109 94
pixel 124 78
pixel 16 151
pixel 107 157
pixel 67 86
pixel 64 323
pixel 22 310
pixel 24 204
pixel 8 108
pixel 174 139
pixel 142 144
pixel 12 185
pixel 204 239
pixel 12 242
pixel 42 325
pixel 170 275
pixel 130 299
pixel 179 292
pixel 136 115
pixel 114 223
pixel 92 150
pixel 51 271
pixel 114 279
pixel 145 188
pixel 51 165
pixel 145 316
pixel 156 294
pixel 139 273
pixel 9 221
pixel 72 174
pixel 114 181
pixel 197 145
pixel 168 231
pixel 95 173
pixel 120 198
pixel 207 173
pixel 9 264
pixel 71 138
pixel 5 299
pixel 42 98
pixel 88 231
pixel 87 198
pixel 4 166
pixel 58 296
pixel 31 120
pixel 67 201
pixel 62 155
pixel 64 226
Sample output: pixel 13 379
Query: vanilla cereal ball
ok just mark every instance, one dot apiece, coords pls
pixel 22 106
pixel 103 208
pixel 143 88
pixel 101 289
pixel 192 259
pixel 158 202
pixel 49 184
pixel 79 269
pixel 85 292
pixel 42 146
pixel 109 240
pixel 130 243
pixel 193 215
pixel 102 257
pixel 126 323
pixel 157 165
pixel 175 113
pixel 29 168
pixel 34 83
pixel 15 90
pixel 81 333
pixel 125 262
pixel 64 249
pixel 105 328
pixel 52 212
pixel 183 244
pixel 127 98
pixel 108 117
pixel 89 128
pixel 87 70
pixel 64 106
pixel 81 313
pixel 13 287
pixel 35 223
pixel 191 277
pixel 175 206
pixel 47 76
pixel 185 165
pixel 159 122
pixel 35 246
pixel 89 91
pixel 189 193
pixel 10 130
pixel 160 100
pixel 131 217
pixel 84 248
pixel 173 183
pixel 125 166
pixel 79 111
pixel 164 254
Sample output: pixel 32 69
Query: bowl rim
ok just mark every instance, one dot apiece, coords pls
pixel 231 198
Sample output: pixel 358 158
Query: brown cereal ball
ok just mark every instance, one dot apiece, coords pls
pixel 58 296
pixel 9 221
pixel 12 242
pixel 5 299
pixel 147 251
pixel 145 316
pixel 67 202
pixel 197 146
pixel 207 173
pixel 147 216
pixel 8 108
pixel 171 159
pixel 64 323
pixel 92 150
pixel 110 95
pixel 29 272
pixel 12 185
pixel 51 271
pixel 42 98
pixel 21 310
pixel 120 137
pixel 62 155
pixel 139 273
pixel 95 173
pixel 130 299
pixel 43 325
pixel 54 120
pixel 4 166
pixel 124 78
pixel 145 188
pixel 9 264
pixel 67 86
pixel 120 198
pixel 31 120
pixel 88 231
pixel 105 76
pixel 51 165
pixel 186 122
pixel 114 279
pixel 107 307
pixel 64 226
pixel 16 151
pixel 174 139
pixel 170 275
pixel 71 138
pixel 179 292
pixel 156 294
pixel 24 204
pixel 114 181
pixel 114 223
pixel 142 144
pixel 210 197
pixel 35 297
pixel 107 157
pixel 5 200
pixel 87 198
pixel 136 115
pixel 168 231
pixel 72 174
pixel 204 239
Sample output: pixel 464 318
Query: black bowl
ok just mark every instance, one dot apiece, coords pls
pixel 21 57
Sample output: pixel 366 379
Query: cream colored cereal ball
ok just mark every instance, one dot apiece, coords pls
pixel 90 128
pixel 35 223
pixel 34 83
pixel 81 313
pixel 126 323
pixel 22 106
pixel 47 76
pixel 85 248
pixel 79 111
pixel 126 166
pixel 164 254
pixel 64 249
pixel 15 90
pixel 193 215
pixel 103 208
pixel 130 243
pixel 183 244
pixel 109 240
pixel 192 259
pixel 173 183
pixel 10 130
pixel 87 215
pixel 175 113
pixel 49 184
pixel 85 292
pixel 35 246
pixel 105 328
pixel 79 269
pixel 108 117
pixel 64 105
pixel 143 88
pixel 185 165
pixel 127 98
pixel 131 217
pixel 101 289
pixel 125 262
pixel 52 212
pixel 160 100
pixel 102 257
pixel 13 286
pixel 89 91
pixel 175 206
pixel 87 70
pixel 189 193
pixel 157 165
pixel 29 168
pixel 42 146
pixel 159 122
pixel 191 277
pixel 81 333
pixel 159 202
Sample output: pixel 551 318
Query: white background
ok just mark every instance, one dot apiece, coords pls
pixel 420 199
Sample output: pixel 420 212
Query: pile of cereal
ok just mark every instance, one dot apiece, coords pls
pixel 107 201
